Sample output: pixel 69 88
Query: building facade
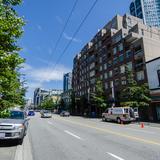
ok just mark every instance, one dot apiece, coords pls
pixel 148 10
pixel 67 81
pixel 124 41
pixel 41 94
pixel 153 72
pixel 67 90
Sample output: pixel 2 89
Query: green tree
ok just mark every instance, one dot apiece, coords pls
pixel 11 89
pixel 48 104
pixel 135 95
pixel 98 96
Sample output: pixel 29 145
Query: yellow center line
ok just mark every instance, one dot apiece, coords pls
pixel 113 132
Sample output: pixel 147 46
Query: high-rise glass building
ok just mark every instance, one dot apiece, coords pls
pixel 148 10
pixel 67 81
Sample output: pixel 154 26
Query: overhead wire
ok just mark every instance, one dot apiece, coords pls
pixel 75 33
pixel 63 30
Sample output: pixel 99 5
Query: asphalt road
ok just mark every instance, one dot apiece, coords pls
pixel 77 138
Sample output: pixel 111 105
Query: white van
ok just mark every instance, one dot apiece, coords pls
pixel 119 114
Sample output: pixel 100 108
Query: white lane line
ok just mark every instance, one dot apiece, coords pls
pixel 140 130
pixel 50 123
pixel 73 135
pixel 113 155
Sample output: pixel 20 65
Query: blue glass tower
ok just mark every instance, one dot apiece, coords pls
pixel 67 81
pixel 148 10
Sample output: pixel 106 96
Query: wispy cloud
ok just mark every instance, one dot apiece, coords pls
pixel 39 27
pixel 59 19
pixel 41 75
pixel 67 37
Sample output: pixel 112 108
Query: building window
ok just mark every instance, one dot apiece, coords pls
pixel 92 73
pixel 109 63
pixel 114 50
pixel 105 66
pixel 122 69
pixel 100 68
pixel 115 60
pixel 129 66
pixel 106 75
pixel 140 75
pixel 116 71
pixel 123 81
pixel 110 73
pixel 106 85
pixel 116 83
pixel 121 58
pixel 100 60
pixel 92 65
pixel 128 54
pixel 101 77
pixel 120 47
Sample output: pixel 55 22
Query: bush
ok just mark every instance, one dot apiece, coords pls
pixel 4 114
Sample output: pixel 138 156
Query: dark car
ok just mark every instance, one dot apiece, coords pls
pixel 14 127
pixel 65 114
pixel 31 113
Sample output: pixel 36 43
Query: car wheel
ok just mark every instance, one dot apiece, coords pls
pixel 20 141
pixel 118 120
pixel 103 119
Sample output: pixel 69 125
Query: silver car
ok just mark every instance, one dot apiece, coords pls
pixel 14 127
pixel 46 114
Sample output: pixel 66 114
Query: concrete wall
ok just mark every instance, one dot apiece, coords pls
pixel 152 68
pixel 151 48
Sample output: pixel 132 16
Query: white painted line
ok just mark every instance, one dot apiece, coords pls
pixel 140 130
pixel 50 123
pixel 73 134
pixel 113 155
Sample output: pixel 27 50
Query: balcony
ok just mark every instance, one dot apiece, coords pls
pixel 132 37
pixel 138 55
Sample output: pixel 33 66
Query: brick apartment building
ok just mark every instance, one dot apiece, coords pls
pixel 124 41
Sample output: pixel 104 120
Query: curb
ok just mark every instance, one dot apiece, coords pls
pixel 23 152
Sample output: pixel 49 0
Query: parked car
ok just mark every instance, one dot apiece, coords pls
pixel 119 114
pixel 46 114
pixel 136 113
pixel 65 114
pixel 31 113
pixel 15 126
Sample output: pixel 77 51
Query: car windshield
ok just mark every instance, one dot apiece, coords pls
pixel 46 112
pixel 17 115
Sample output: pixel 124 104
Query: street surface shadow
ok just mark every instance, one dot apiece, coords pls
pixel 8 143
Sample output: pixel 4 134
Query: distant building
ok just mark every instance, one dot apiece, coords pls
pixel 123 42
pixel 67 89
pixel 41 94
pixel 67 82
pixel 153 72
pixel 148 10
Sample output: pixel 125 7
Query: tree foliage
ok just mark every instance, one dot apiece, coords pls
pixel 11 89
pixel 48 104
pixel 133 94
pixel 99 95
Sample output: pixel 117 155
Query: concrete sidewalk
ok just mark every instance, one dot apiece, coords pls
pixel 23 152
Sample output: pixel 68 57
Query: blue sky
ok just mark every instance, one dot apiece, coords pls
pixel 44 23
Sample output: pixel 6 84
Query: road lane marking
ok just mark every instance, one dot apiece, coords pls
pixel 50 123
pixel 72 135
pixel 113 155
pixel 114 133
pixel 140 130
